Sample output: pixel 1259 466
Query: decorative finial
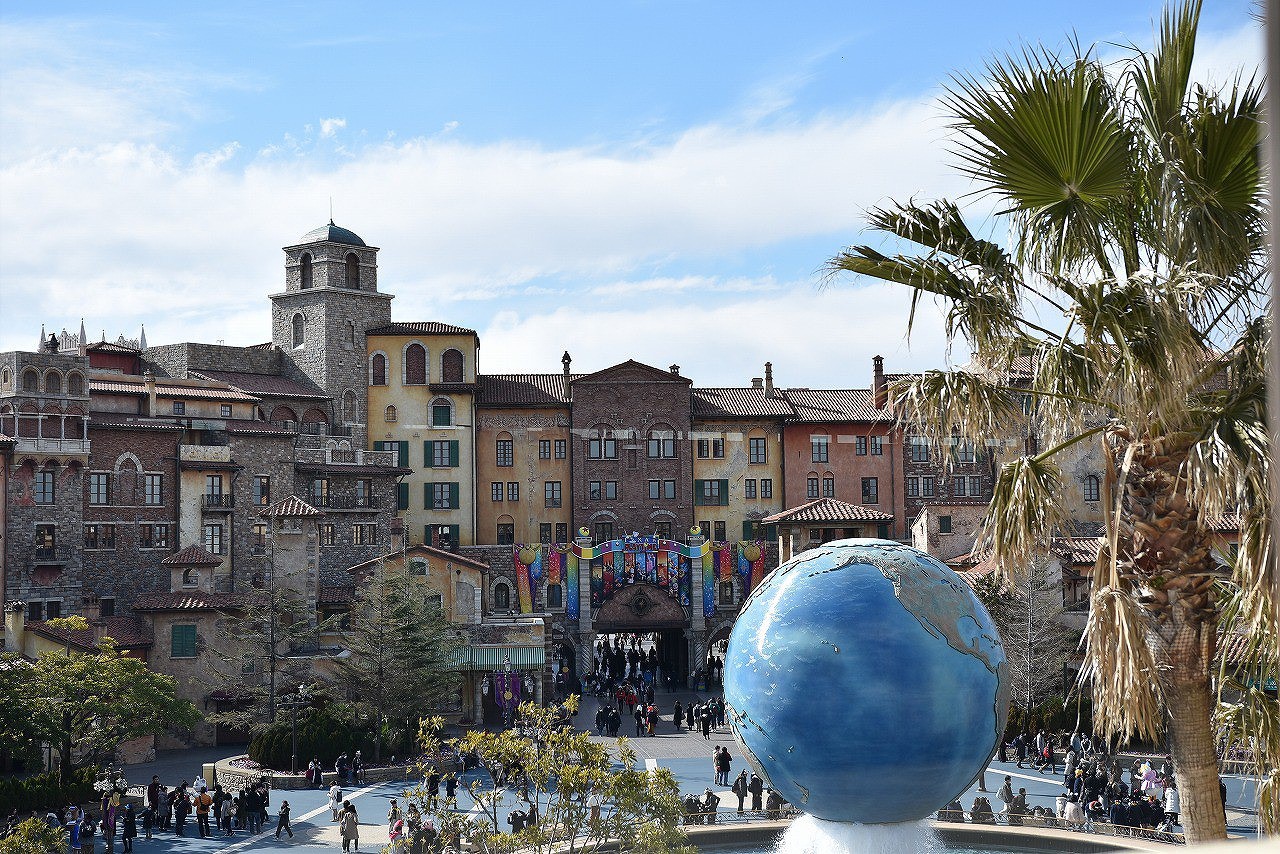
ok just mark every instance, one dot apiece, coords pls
pixel 331 210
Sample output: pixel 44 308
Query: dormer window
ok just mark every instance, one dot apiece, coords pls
pixel 306 269
pixel 190 578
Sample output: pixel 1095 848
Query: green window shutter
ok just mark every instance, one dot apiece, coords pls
pixel 724 493
pixel 453 453
pixel 182 642
pixel 882 531
pixel 454 532
pixel 453 496
pixel 428 459
pixel 404 454
pixel 426 496
pixel 698 498
pixel 402 496
pixel 770 532
pixel 748 530
pixel 426 535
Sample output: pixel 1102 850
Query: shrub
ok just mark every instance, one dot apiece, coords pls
pixel 43 792
pixel 323 734
pixel 33 836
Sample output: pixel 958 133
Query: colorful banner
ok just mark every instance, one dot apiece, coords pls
pixel 709 584
pixel 507 691
pixel 724 564
pixel 555 565
pixel 571 586
pixel 744 570
pixel 684 579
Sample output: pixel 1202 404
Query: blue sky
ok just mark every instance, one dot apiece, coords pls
pixel 623 180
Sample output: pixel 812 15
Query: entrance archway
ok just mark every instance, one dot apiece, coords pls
pixel 643 608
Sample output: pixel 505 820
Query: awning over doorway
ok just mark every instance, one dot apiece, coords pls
pixel 491 657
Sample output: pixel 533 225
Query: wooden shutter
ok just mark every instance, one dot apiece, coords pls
pixel 453 453
pixel 453 496
pixel 402 496
pixel 724 493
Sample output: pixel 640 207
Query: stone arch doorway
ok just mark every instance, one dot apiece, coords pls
pixel 643 608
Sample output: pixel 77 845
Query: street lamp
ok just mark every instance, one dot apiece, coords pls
pixel 299 700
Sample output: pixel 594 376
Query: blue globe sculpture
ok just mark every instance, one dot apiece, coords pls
pixel 866 682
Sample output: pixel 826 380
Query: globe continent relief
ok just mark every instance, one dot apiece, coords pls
pixel 866 682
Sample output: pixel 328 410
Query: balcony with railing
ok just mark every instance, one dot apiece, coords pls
pixel 217 501
pixel 341 502
pixel 50 554
pixel 45 445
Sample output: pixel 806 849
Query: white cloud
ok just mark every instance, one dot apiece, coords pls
pixel 329 127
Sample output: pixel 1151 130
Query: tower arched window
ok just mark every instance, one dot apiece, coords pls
pixel 75 385
pixel 379 370
pixel 389 415
pixel 351 332
pixel 299 330
pixel 306 269
pixel 349 414
pixel 53 383
pixel 451 366
pixel 1092 488
pixel 353 271
pixel 415 365
pixel 30 380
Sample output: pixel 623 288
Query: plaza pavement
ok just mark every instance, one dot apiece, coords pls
pixel 686 753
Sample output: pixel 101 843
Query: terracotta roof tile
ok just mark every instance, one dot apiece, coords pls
pixel 745 402
pixel 257 428
pixel 524 390
pixel 192 389
pixel 429 327
pixel 132 422
pixel 290 507
pixel 127 631
pixel 829 510
pixel 264 384
pixel 192 600
pixel 834 405
pixel 1079 551
pixel 331 594
pixel 194 555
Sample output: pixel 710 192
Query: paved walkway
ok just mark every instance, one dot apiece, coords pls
pixel 687 754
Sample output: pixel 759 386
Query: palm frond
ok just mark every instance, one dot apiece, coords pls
pixel 1120 666
pixel 1161 78
pixel 951 406
pixel 1026 508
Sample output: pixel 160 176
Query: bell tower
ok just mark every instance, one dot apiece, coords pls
pixel 330 299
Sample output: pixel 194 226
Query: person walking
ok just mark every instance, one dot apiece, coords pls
pixel 723 766
pixel 349 827
pixel 451 792
pixel 740 789
pixel 335 801
pixel 204 802
pixel 283 823
pixel 1005 795
pixel 181 809
pixel 677 715
pixel 129 829
pixel 148 820
pixel 756 787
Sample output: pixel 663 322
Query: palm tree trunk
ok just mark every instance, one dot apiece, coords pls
pixel 1196 763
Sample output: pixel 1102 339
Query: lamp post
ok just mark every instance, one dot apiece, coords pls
pixel 297 701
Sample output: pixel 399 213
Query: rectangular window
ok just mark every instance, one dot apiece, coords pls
pixel 179 407
pixel 704 449
pixel 944 524
pixel 870 490
pixel 328 535
pixel 860 446
pixel 442 496
pixel 913 487
pixel 610 490
pixel 225 410
pixel 259 542
pixel 964 451
pixel 182 641
pixel 213 539
pixel 506 533
pixel 153 487
pixel 42 487
pixel 593 490
pixel 975 485
pixel 513 491
pixel 551 493
pixel 441 415
pixel 100 537
pixel 99 488
pixel 107 606
pixel 749 488
pixel 399 450
pixel 717 449
pixel 919 449
pixel 442 454
pixel 562 449
pixel 757 453
pixel 364 492
pixel 654 447
pixel 544 449
pixel 669 490
pixel 711 492
pixel 877 446
pixel 720 532
pixel 261 490
pixel 555 596
pixel 506 453
pixel 35 612
pixel 828 486
pixel 705 528
pixel 213 485
pixel 662 529
pixel 46 541
pixel 958 486
pixel 927 487
pixel 495 491
pixel 562 532
pixel 602 447
pixel 364 534
pixel 604 532
pixel 320 491
pixel 544 532
pixel 90 537
pixel 152 536
pixel 811 487
pixel 655 490
pixel 819 448
pixel 766 487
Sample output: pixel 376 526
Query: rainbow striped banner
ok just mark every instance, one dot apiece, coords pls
pixel 571 608
pixel 709 584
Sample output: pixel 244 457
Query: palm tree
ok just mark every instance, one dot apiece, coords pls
pixel 1130 303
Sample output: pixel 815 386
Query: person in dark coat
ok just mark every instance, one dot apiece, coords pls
pixel 130 830
pixel 739 788
pixel 756 787
pixel 677 715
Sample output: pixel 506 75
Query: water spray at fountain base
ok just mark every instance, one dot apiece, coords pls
pixel 810 835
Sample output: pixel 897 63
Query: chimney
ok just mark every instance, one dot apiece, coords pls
pixel 878 384
pixel 756 382
pixel 566 360
pixel 768 378
pixel 15 626
pixel 675 370
pixel 149 382
pixel 92 608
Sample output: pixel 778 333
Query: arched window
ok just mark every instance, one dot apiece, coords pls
pixel 5 379
pixel 1092 489
pixel 190 578
pixel 349 413
pixel 53 383
pixel 30 380
pixel 75 385
pixel 379 370
pixel 306 269
pixel 389 415
pixel 415 365
pixel 351 333
pixel 299 330
pixel 353 271
pixel 501 596
pixel 451 366
pixel 283 413
pixel 441 412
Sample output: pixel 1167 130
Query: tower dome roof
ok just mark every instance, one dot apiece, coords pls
pixel 333 234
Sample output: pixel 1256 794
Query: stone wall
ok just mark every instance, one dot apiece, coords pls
pixel 29 578
pixel 175 360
